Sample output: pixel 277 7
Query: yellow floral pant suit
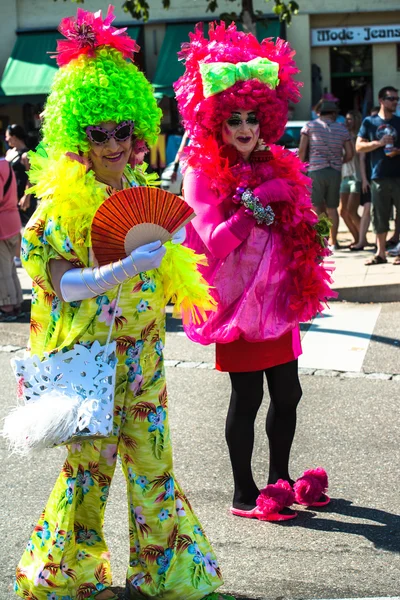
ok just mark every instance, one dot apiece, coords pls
pixel 66 557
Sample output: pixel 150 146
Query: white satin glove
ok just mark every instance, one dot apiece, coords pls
pixel 180 236
pixel 79 284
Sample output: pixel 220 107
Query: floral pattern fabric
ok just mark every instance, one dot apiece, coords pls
pixel 66 557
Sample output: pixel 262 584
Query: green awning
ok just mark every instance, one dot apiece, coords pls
pixel 30 70
pixel 169 69
pixel 272 28
pixel 266 29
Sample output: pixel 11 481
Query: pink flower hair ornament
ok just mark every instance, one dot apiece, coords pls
pixel 87 31
pixel 257 76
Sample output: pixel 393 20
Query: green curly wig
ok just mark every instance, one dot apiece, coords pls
pixel 92 90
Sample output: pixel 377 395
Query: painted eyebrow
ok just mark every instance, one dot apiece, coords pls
pixel 252 112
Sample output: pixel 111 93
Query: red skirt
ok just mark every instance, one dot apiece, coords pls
pixel 242 356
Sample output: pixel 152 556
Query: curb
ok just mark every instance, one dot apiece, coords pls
pixel 389 292
pixel 303 371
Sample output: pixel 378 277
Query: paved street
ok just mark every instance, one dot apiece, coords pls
pixel 348 422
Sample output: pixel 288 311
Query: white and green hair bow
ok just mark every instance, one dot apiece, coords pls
pixel 219 76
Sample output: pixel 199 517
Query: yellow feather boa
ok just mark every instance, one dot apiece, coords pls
pixel 74 194
pixel 184 286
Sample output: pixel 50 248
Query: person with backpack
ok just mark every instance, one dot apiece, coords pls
pixel 10 225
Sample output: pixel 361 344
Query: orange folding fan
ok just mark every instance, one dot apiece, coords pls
pixel 133 217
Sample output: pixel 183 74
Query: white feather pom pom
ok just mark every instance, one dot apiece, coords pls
pixel 49 421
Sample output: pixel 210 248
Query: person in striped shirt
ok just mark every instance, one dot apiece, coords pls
pixel 328 145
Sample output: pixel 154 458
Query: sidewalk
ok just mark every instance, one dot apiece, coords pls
pixel 352 279
pixel 356 282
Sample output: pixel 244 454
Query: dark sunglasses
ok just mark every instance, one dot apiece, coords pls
pixel 99 135
pixel 392 98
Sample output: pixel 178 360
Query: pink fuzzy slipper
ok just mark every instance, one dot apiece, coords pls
pixel 309 488
pixel 270 502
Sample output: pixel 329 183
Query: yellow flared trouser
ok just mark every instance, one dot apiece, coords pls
pixel 170 557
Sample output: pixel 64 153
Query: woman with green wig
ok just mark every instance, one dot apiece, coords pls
pixel 100 111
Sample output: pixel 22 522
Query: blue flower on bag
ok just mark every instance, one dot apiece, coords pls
pixel 164 561
pixel 157 419
pixel 198 555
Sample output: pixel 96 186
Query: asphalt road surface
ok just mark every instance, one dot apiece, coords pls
pixel 347 423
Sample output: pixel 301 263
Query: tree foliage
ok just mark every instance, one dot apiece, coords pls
pixel 284 9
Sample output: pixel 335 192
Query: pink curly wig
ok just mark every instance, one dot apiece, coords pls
pixel 203 116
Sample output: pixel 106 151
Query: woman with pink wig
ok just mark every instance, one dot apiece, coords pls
pixel 264 245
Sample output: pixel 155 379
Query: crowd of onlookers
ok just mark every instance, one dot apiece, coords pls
pixel 353 164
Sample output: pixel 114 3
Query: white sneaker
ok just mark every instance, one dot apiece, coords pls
pixel 394 251
pixel 17 261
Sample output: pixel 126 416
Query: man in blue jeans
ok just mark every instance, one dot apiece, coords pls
pixel 380 136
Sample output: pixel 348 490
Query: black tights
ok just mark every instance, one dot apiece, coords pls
pixel 247 394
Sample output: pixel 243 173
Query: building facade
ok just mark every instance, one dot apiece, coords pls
pixel 350 48
pixel 28 34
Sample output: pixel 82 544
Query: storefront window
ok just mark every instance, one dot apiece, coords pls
pixel 351 73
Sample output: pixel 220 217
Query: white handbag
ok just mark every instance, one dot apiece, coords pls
pixel 68 396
